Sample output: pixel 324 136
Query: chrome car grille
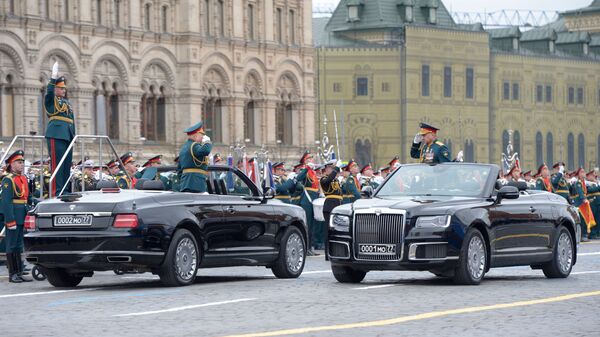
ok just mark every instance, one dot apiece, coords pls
pixel 370 228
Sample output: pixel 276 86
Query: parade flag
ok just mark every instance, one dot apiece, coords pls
pixel 333 156
pixel 269 181
pixel 245 163
pixel 586 214
pixel 255 172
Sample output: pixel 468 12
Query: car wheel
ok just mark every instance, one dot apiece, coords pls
pixel 60 278
pixel 181 262
pixel 562 260
pixel 37 273
pixel 292 254
pixel 472 261
pixel 348 275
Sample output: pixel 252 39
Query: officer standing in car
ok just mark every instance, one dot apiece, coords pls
pixel 60 130
pixel 427 148
pixel 125 181
pixel 193 160
pixel 15 201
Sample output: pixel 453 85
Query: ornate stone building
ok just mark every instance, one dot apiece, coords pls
pixel 384 66
pixel 141 71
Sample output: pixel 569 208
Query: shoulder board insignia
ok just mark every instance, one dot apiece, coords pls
pixel 439 143
pixel 5 185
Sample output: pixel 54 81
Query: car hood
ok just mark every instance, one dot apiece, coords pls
pixel 415 204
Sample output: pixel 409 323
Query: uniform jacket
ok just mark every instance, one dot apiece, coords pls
pixel 435 153
pixel 61 123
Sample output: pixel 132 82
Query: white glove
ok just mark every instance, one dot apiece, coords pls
pixel 55 70
pixel 418 139
pixel 205 139
pixel 460 156
pixel 561 169
pixel 339 164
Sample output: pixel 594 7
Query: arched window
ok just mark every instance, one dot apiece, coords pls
pixel 362 152
pixel 250 22
pixel 549 149
pixel 517 144
pixel 213 119
pixel 283 121
pixel 539 151
pixel 147 14
pixel 581 150
pixel 207 18
pixel 7 108
pixel 249 123
pixel 117 13
pixel 164 19
pixel 153 115
pixel 469 155
pixel 505 139
pixel 221 18
pixel 571 151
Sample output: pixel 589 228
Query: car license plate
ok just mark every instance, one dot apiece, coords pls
pixel 379 249
pixel 73 220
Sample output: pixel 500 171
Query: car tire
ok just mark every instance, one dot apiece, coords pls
pixel 562 258
pixel 60 278
pixel 182 260
pixel 347 274
pixel 292 254
pixel 472 261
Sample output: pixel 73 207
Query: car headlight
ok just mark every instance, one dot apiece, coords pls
pixel 440 221
pixel 340 222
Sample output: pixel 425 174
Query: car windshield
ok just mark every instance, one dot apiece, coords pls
pixel 438 180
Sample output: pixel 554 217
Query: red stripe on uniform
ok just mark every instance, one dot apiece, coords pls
pixel 53 164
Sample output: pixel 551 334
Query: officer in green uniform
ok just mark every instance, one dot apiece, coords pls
pixel 307 178
pixel 125 181
pixel 593 197
pixel 193 160
pixel 299 190
pixel 559 183
pixel 351 184
pixel 367 177
pixel 15 201
pixel 175 178
pixel 331 188
pixel 150 172
pixel 580 197
pixel 427 148
pixel 284 187
pixel 543 181
pixel 60 130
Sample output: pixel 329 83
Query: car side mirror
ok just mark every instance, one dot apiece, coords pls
pixel 508 192
pixel 367 192
pixel 269 193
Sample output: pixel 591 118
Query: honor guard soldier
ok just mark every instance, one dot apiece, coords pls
pixel 193 160
pixel 594 199
pixel 394 164
pixel 15 201
pixel 367 177
pixel 113 168
pixel 427 148
pixel 150 171
pixel 559 181
pixel 529 179
pixel 307 179
pixel 60 130
pixel 129 170
pixel 152 162
pixel 544 181
pixel 331 188
pixel 351 185
pixel 299 191
pixel 284 188
pixel 580 200
pixel 86 180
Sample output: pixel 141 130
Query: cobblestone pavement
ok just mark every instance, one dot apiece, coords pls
pixel 231 301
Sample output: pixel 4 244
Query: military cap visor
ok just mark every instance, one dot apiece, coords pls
pixel 17 155
pixel 278 165
pixel 61 82
pixel 557 164
pixel 365 168
pixel 194 129
pixel 539 170
pixel 127 158
pixel 426 128
pixel 155 159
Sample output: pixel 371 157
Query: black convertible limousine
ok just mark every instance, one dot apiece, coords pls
pixel 454 220
pixel 171 234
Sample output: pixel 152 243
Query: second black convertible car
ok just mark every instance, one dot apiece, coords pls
pixel 454 220
pixel 171 234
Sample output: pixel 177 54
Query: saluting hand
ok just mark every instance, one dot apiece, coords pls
pixel 418 138
pixel 205 139
pixel 55 70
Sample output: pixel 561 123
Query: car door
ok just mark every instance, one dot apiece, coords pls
pixel 517 231
pixel 248 220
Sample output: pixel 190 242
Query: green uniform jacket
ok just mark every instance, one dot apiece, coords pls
pixel 193 156
pixel 435 153
pixel 560 185
pixel 59 113
pixel 304 182
pixel 540 186
pixel 123 181
pixel 351 192
pixel 580 195
pixel 284 188
pixel 10 210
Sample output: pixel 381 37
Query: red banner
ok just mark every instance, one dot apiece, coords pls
pixel 587 215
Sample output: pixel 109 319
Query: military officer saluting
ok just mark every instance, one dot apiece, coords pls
pixel 427 148
pixel 193 160
pixel 126 178
pixel 15 201
pixel 284 187
pixel 331 188
pixel 60 130
pixel 543 181
pixel 559 182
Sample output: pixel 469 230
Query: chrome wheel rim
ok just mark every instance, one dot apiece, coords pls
pixel 565 252
pixel 476 258
pixel 294 253
pixel 186 259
